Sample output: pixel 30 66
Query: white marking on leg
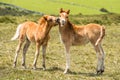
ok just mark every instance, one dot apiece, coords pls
pixel 36 55
pixel 98 57
pixel 67 54
pixel 102 57
pixel 16 53
pixel 24 53
pixel 44 56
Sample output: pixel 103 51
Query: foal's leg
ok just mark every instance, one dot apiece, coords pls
pixel 27 44
pixel 100 56
pixel 17 52
pixel 103 57
pixel 67 54
pixel 44 55
pixel 36 54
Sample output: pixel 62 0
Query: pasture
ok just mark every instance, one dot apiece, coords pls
pixel 83 58
pixel 77 6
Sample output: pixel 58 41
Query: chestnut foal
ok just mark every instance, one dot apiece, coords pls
pixel 33 32
pixel 72 35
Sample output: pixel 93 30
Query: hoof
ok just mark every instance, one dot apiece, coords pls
pixel 14 66
pixel 67 71
pixel 44 68
pixel 34 68
pixel 100 71
pixel 23 66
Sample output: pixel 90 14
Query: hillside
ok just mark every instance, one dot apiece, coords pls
pixel 86 7
pixel 9 9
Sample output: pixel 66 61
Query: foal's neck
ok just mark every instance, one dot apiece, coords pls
pixel 44 25
pixel 44 29
pixel 70 25
pixel 67 27
pixel 47 28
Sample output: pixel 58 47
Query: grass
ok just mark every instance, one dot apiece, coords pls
pixel 83 58
pixel 77 6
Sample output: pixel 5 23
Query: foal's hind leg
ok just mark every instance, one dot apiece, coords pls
pixel 100 56
pixel 17 52
pixel 27 44
pixel 103 56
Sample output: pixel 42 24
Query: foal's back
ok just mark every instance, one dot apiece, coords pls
pixel 86 33
pixel 28 30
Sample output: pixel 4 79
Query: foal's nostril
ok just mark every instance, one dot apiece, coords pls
pixel 63 22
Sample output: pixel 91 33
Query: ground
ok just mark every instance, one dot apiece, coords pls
pixel 83 58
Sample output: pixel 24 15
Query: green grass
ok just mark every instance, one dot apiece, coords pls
pixel 83 58
pixel 76 6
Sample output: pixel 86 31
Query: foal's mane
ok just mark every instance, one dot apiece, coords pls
pixel 70 25
pixel 42 21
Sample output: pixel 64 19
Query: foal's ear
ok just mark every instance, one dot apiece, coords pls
pixel 68 11
pixel 45 17
pixel 61 10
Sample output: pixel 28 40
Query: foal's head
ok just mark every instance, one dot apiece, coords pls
pixel 63 17
pixel 50 20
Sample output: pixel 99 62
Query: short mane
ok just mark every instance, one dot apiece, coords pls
pixel 70 25
pixel 41 21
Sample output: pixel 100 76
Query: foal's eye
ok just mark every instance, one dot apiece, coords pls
pixel 50 20
pixel 66 16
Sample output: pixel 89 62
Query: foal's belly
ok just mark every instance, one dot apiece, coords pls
pixel 31 38
pixel 80 41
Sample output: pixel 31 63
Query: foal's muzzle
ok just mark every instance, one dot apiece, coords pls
pixel 58 20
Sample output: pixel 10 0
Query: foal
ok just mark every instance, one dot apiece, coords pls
pixel 72 35
pixel 32 32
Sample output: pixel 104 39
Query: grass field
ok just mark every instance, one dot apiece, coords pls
pixel 76 6
pixel 83 58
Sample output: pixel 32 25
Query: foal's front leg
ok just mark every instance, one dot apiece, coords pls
pixel 67 54
pixel 44 55
pixel 36 54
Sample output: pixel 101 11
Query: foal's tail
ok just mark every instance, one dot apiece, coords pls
pixel 102 34
pixel 17 33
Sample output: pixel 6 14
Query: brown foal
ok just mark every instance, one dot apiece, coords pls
pixel 33 32
pixel 72 35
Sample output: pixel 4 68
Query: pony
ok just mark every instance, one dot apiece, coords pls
pixel 34 32
pixel 73 35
